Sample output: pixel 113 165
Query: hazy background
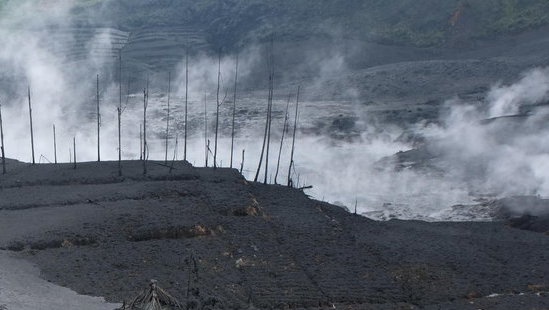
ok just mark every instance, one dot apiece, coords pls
pixel 437 80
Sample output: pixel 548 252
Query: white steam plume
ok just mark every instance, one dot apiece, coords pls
pixel 505 156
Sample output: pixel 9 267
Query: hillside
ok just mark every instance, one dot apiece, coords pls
pixel 215 240
pixel 233 23
pixel 501 38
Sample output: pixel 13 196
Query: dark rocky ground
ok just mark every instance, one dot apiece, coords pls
pixel 212 238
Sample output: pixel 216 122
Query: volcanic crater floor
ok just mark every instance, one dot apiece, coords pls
pixel 217 241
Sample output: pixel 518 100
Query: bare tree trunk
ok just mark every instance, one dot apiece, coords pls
pixel 145 95
pixel 174 152
pixel 31 130
pixel 98 123
pixel 140 141
pixel 119 112
pixel 205 130
pixel 290 181
pixel 217 108
pixel 284 128
pixel 234 109
pixel 120 79
pixel 168 118
pixel 2 142
pixel 270 111
pixel 267 121
pixel 54 145
pixel 208 150
pixel 242 162
pixel 186 101
pixel 74 151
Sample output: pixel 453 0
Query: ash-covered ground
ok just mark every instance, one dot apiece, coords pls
pixel 451 138
pixel 217 241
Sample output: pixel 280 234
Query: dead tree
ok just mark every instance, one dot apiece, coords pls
pixel 120 78
pixel 2 142
pixel 31 130
pixel 218 104
pixel 242 162
pixel 145 95
pixel 153 298
pixel 119 112
pixel 140 141
pixel 270 111
pixel 168 118
pixel 74 151
pixel 284 128
pixel 174 152
pixel 205 130
pixel 234 108
pixel 266 135
pixel 54 145
pixel 98 123
pixel 290 181
pixel 208 151
pixel 186 102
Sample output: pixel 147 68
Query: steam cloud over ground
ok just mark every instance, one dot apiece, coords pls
pixel 492 147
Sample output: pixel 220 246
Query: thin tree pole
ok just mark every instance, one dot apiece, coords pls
pixel 98 123
pixel 242 162
pixel 208 151
pixel 119 110
pixel 266 124
pixel 186 101
pixel 2 142
pixel 174 152
pixel 120 78
pixel 31 130
pixel 269 111
pixel 205 129
pixel 140 141
pixel 54 145
pixel 168 118
pixel 268 137
pixel 263 147
pixel 284 128
pixel 234 108
pixel 145 94
pixel 290 182
pixel 217 107
pixel 74 151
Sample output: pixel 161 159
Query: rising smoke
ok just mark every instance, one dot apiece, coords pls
pixel 476 150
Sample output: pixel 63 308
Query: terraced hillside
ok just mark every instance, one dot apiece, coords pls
pixel 77 43
pixel 232 23
pixel 155 48
pixel 162 47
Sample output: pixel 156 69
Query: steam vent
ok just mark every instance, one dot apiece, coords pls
pixel 311 155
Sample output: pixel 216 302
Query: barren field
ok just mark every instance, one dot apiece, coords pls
pixel 217 241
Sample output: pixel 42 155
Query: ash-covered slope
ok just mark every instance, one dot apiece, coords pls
pixel 218 241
